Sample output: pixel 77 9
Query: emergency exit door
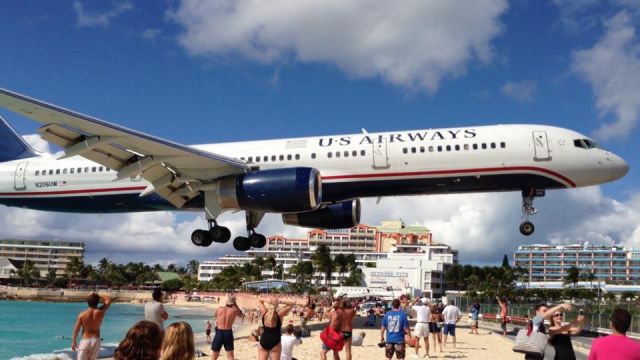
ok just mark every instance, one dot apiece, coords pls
pixel 541 146
pixel 380 158
pixel 19 178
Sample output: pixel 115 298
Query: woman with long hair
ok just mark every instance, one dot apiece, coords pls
pixel 270 344
pixel 561 335
pixel 178 342
pixel 142 342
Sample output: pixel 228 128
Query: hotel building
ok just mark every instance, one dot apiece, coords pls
pixel 45 254
pixel 551 262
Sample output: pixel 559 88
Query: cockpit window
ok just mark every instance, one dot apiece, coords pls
pixel 585 144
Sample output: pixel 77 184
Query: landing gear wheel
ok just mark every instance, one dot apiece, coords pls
pixel 200 238
pixel 257 240
pixel 526 228
pixel 219 234
pixel 241 243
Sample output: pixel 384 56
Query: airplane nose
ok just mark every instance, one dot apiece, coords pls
pixel 619 167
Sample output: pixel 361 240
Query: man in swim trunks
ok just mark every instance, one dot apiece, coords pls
pixel 90 321
pixel 225 317
pixel 335 322
pixel 346 324
pixel 207 330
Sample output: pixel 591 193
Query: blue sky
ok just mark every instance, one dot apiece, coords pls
pixel 201 72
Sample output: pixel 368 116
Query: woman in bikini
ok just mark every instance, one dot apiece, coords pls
pixel 272 328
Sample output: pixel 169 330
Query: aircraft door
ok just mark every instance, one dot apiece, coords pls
pixel 19 179
pixel 380 158
pixel 541 146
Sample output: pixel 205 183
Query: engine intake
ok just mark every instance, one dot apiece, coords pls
pixel 334 216
pixel 278 190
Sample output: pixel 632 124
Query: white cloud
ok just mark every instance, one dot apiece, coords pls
pixel 151 34
pixel 612 69
pixel 37 143
pixel 522 91
pixel 413 44
pixel 95 18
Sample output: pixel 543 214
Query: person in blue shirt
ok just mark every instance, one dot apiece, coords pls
pixel 475 312
pixel 395 324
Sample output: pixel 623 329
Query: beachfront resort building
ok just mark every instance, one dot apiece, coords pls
pixel 389 246
pixel 549 263
pixel 46 255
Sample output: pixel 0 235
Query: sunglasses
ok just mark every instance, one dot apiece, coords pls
pixel 554 315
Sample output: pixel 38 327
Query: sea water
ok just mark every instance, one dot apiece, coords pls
pixel 30 327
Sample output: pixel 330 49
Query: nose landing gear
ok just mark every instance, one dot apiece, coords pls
pixel 526 227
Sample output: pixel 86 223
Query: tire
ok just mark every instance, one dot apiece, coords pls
pixel 220 234
pixel 200 237
pixel 527 228
pixel 257 240
pixel 241 243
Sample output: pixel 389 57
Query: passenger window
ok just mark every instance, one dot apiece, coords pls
pixel 281 158
pixel 86 169
pixel 466 146
pixel 100 169
pixel 337 154
pixel 64 171
pixel 288 156
pixel 257 159
pixel 50 172
pixel 484 146
pixel 354 153
pixel 273 158
pixel 93 169
pixel 37 172
pixel 448 147
pixel 57 171
pixel 72 170
pixel 493 145
pixel 313 155
pixel 250 159
pixel 503 145
pixel 265 158
pixel 475 146
pixel 439 148
pixel 457 147
pixel 421 149
pixel 413 150
pixel 405 150
pixel 329 154
pixel 363 152
pixel 297 156
pixel 430 148
pixel 79 170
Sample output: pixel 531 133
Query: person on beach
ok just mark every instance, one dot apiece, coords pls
pixel 616 346
pixel 335 322
pixel 561 336
pixel 423 316
pixel 270 341
pixel 396 325
pixel 434 326
pixel 346 324
pixel 503 314
pixel 289 340
pixel 154 310
pixel 225 317
pixel 178 343
pixel 89 321
pixel 142 342
pixel 451 315
pixel 475 315
pixel 207 330
pixel 542 313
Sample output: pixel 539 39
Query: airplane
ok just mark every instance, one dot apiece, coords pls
pixel 313 182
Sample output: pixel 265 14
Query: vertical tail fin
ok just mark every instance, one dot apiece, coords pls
pixel 12 146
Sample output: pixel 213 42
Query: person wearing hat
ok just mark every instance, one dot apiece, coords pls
pixel 225 317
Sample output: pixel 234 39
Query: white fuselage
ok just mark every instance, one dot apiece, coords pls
pixel 455 160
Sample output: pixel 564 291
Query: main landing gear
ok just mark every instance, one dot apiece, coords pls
pixel 527 228
pixel 216 233
pixel 242 243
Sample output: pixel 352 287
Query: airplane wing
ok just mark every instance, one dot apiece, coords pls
pixel 175 171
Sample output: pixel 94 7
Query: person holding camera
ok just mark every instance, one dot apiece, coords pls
pixel 561 335
pixel 225 317
pixel 90 321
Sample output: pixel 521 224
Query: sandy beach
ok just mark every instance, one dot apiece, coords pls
pixel 486 345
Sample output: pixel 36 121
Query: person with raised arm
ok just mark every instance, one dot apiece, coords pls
pixel 90 321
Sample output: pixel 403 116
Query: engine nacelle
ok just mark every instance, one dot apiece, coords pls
pixel 334 216
pixel 278 190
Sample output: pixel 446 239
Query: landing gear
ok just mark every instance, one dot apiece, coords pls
pixel 527 228
pixel 241 243
pixel 216 233
pixel 257 240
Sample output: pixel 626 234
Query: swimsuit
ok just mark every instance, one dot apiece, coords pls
pixel 271 335
pixel 346 335
pixel 89 349
pixel 222 337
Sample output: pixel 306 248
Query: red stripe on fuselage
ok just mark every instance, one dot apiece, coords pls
pixel 69 192
pixel 451 172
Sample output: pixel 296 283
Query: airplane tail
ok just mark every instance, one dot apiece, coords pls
pixel 12 146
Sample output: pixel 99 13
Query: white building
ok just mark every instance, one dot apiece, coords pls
pixel 417 270
pixel 46 255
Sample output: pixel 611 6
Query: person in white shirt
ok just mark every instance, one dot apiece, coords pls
pixel 451 315
pixel 288 341
pixel 423 316
pixel 154 310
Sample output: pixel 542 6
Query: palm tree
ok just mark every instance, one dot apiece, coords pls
pixel 74 267
pixel 572 277
pixel 28 272
pixel 51 276
pixel 323 262
pixel 192 267
pixel 340 263
pixel 628 296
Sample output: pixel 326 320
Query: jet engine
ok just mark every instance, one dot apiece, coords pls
pixel 277 190
pixel 341 215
